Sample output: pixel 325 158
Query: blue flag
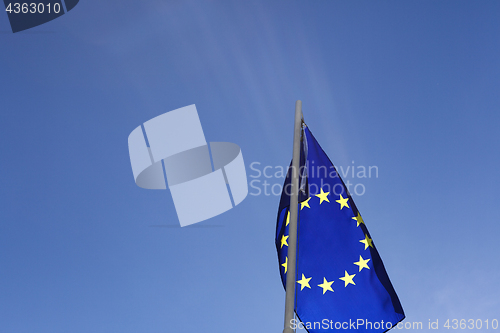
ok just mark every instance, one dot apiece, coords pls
pixel 341 282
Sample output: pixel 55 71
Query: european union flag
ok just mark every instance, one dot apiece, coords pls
pixel 341 280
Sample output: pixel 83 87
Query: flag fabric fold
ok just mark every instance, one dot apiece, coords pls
pixel 341 282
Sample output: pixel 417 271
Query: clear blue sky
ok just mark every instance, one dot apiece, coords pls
pixel 411 87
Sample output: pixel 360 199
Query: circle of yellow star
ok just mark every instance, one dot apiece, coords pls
pixel 326 286
pixel 343 202
pixel 287 218
pixel 285 264
pixel 358 219
pixel 305 203
pixel 304 282
pixel 283 240
pixel 367 241
pixel 362 263
pixel 348 279
pixel 323 196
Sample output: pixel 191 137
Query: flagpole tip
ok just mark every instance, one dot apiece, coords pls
pixel 298 110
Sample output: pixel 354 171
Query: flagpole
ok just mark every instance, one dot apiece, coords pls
pixel 292 232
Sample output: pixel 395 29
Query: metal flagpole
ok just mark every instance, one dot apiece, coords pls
pixel 292 232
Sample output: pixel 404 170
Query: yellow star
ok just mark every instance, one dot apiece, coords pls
pixel 367 241
pixel 285 264
pixel 358 219
pixel 326 286
pixel 283 240
pixel 305 203
pixel 287 218
pixel 362 263
pixel 348 279
pixel 323 196
pixel 343 202
pixel 304 282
